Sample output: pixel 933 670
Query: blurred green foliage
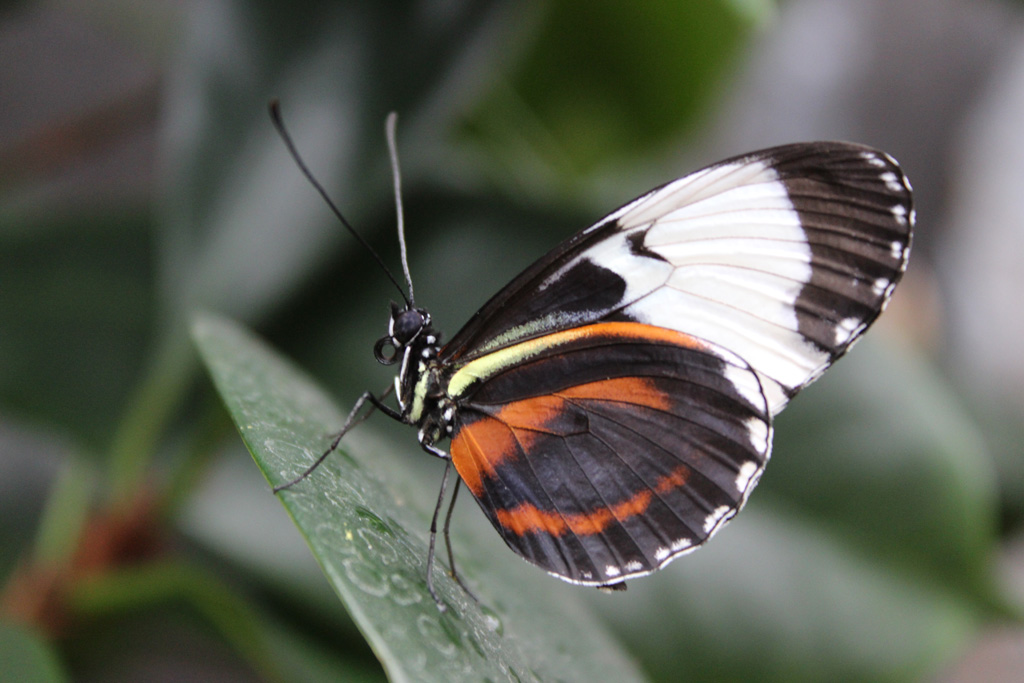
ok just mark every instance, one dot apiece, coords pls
pixel 865 554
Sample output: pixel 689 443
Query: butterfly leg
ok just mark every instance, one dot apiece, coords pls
pixel 433 537
pixel 448 542
pixel 351 421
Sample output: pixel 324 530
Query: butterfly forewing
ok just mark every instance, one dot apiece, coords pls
pixel 782 256
pixel 614 401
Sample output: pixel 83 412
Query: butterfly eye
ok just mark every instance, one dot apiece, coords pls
pixel 407 325
pixel 385 351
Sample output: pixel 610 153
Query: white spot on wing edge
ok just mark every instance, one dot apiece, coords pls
pixel 634 566
pixel 899 212
pixel 846 329
pixel 872 159
pixel 712 521
pixel 664 555
pixel 681 544
pixel 892 182
pixel 748 472
pixel 612 570
pixel 760 435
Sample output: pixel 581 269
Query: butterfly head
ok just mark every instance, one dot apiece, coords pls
pixel 406 327
pixel 411 339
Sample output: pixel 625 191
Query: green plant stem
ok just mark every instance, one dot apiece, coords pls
pixel 149 410
pixel 206 435
pixel 67 508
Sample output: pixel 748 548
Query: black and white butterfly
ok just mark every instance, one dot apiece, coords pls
pixel 611 408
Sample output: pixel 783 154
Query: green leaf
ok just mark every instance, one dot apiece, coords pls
pixel 364 516
pixel 27 658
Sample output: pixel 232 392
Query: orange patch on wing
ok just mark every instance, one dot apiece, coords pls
pixel 527 518
pixel 531 413
pixel 625 330
pixel 479 447
pixel 626 389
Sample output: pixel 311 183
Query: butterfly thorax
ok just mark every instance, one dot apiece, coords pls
pixel 418 385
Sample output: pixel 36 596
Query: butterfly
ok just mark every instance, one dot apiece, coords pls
pixel 611 408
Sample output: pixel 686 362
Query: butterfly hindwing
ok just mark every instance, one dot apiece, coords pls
pixel 604 451
pixel 782 256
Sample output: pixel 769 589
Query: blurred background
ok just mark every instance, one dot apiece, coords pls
pixel 141 181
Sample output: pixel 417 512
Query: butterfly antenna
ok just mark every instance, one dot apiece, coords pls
pixel 396 175
pixel 275 116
